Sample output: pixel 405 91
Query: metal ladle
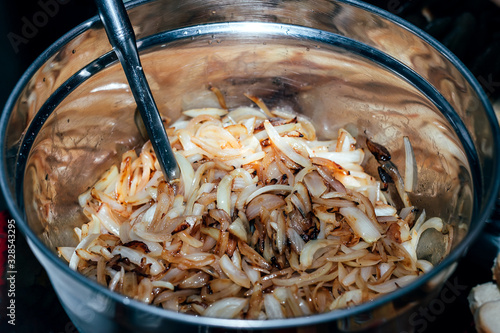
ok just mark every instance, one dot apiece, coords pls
pixel 121 36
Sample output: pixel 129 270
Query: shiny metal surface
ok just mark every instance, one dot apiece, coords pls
pixel 121 36
pixel 339 63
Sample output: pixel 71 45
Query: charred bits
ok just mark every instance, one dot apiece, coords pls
pixel 380 153
pixel 385 178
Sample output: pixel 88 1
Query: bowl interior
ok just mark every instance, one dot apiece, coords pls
pixel 334 81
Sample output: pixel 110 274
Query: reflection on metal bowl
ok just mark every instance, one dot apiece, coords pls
pixel 338 63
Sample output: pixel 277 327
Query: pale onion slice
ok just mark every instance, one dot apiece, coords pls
pixel 215 112
pixel 307 254
pixel 87 255
pixel 348 299
pixel 199 259
pixel 116 278
pixel 315 184
pixel 195 281
pixel 108 199
pixel 303 199
pixel 187 174
pixel 384 210
pixel 344 159
pixel 84 244
pixel 213 151
pixel 244 194
pixel 246 159
pixel 103 184
pixel 78 233
pixel 420 220
pixel 299 177
pixel 350 278
pixel 238 229
pixel 393 284
pixel 384 267
pixel 137 258
pixel 349 256
pixel 360 245
pixel 273 307
pixel 296 241
pixel 188 239
pixel 285 148
pixel 212 232
pixel 243 112
pixel 234 273
pixel 244 176
pixel 360 224
pixel 66 252
pixel 214 135
pixel 304 278
pixel 84 198
pixel 269 188
pixel 229 307
pixel 108 219
pixel 103 251
pixel 224 194
pixel 281 129
pixel 236 259
pixel 345 141
pixel 253 274
pixel 303 305
pixel 281 233
pixel 263 201
pixel 424 265
pixel 367 272
pixel 410 167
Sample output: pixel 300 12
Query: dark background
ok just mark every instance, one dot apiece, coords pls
pixel 470 29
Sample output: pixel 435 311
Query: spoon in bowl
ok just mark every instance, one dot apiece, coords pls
pixel 121 36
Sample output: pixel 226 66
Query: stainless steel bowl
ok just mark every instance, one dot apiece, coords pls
pixel 341 63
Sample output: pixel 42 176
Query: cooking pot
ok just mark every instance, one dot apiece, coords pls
pixel 340 63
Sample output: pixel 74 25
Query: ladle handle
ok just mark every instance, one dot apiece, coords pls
pixel 121 36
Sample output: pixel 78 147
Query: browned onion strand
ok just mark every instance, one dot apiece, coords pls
pixel 265 222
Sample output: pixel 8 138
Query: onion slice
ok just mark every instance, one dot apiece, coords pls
pixel 234 273
pixel 229 307
pixel 84 244
pixel 361 224
pixel 307 254
pixel 285 148
pixel 137 258
pixel 224 194
pixel 273 307
pixel 410 166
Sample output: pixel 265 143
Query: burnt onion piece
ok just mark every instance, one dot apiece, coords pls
pixel 266 221
pixel 380 152
pixel 389 173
